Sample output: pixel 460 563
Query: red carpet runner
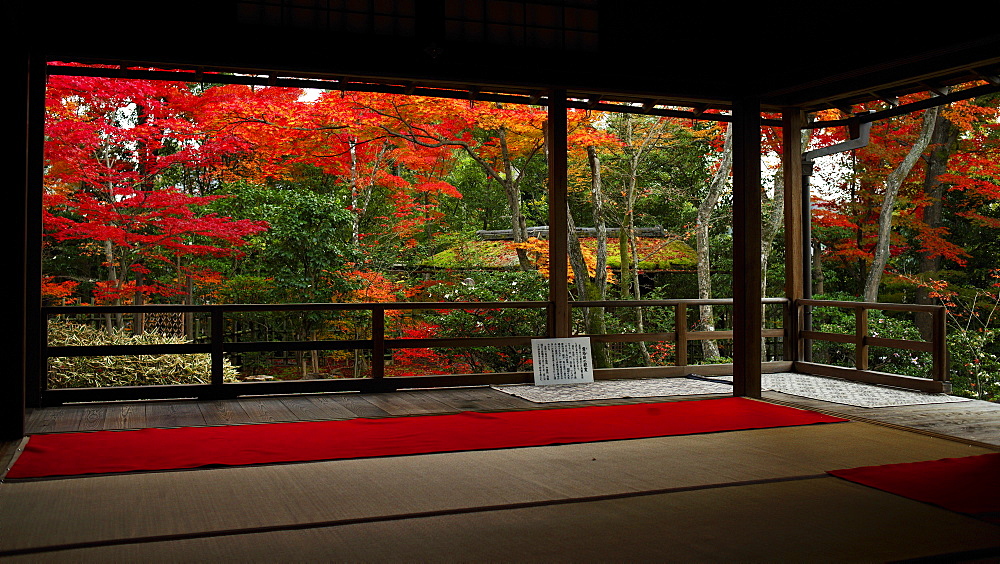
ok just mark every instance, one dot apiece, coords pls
pixel 101 452
pixel 969 485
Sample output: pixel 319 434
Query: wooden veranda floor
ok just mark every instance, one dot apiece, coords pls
pixel 757 495
pixel 973 420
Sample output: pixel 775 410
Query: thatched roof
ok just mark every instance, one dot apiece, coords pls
pixel 655 253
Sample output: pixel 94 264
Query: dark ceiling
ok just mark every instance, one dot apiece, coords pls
pixel 627 51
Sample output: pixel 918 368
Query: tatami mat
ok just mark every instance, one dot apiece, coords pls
pixel 207 502
pixel 814 520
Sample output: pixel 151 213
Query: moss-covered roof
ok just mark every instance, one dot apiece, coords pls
pixel 654 254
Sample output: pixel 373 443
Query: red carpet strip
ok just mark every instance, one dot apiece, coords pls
pixel 969 485
pixel 70 454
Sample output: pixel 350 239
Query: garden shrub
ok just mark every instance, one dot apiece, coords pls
pixel 133 370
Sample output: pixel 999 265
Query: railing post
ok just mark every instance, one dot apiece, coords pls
pixel 43 379
pixel 860 338
pixel 939 344
pixel 680 333
pixel 378 342
pixel 791 327
pixel 218 357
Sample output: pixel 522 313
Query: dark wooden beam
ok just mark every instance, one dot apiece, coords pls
pixel 746 248
pixel 558 245
pixel 34 324
pixel 12 389
pixel 795 250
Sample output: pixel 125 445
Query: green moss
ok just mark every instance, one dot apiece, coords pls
pixel 654 254
pixel 472 254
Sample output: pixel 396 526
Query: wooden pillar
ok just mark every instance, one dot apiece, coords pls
pixel 560 321
pixel 34 329
pixel 746 248
pixel 680 334
pixel 218 362
pixel 939 368
pixel 792 121
pixel 861 338
pixel 378 342
pixel 13 383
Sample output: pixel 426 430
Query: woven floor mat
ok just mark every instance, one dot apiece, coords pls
pixel 833 390
pixel 846 392
pixel 611 389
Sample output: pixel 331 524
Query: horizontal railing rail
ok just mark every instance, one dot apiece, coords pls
pixel 379 343
pixel 681 333
pixel 863 340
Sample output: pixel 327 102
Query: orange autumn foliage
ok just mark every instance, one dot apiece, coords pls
pixel 538 253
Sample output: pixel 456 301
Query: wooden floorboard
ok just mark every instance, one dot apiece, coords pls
pixel 52 420
pixel 127 415
pixel 972 420
pixel 266 410
pixel 93 417
pixel 409 403
pixel 316 408
pixel 360 406
pixel 224 412
pixel 485 399
pixel 173 414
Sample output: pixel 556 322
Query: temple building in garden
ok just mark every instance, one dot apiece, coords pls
pixel 494 249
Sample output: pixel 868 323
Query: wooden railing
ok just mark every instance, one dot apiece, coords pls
pixel 681 335
pixel 863 340
pixel 217 347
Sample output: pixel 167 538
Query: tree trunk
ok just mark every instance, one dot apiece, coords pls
pixel 512 189
pixel 592 288
pixel 769 230
pixel 113 320
pixel 587 289
pixel 943 144
pixel 625 284
pixel 817 267
pixel 355 196
pixel 892 184
pixel 597 289
pixel 710 348
pixel 635 149
pixel 597 198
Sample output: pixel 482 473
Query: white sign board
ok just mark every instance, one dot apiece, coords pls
pixel 562 361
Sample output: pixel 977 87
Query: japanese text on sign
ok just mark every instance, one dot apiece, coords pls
pixel 562 361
